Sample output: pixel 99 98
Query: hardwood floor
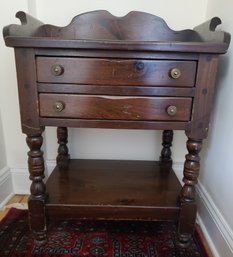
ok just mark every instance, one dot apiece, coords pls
pixel 202 241
pixel 22 199
pixel 16 199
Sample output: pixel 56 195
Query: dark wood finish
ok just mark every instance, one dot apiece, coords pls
pixel 100 26
pixel 28 28
pixel 91 184
pixel 117 54
pixel 110 90
pixel 204 93
pixel 195 47
pixel 207 31
pixel 36 202
pixel 114 124
pixel 187 196
pixel 130 72
pixel 186 222
pixel 116 72
pixel 118 107
pixel 191 170
pixel 28 95
pixel 167 143
pixel 63 151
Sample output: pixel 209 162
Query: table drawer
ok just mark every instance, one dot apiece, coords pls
pixel 115 107
pixel 116 71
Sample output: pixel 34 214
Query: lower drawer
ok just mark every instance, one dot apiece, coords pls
pixel 115 107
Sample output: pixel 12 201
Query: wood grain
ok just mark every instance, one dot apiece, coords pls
pixel 116 72
pixel 114 189
pixel 114 107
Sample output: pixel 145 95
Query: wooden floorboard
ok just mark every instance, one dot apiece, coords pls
pixel 21 199
pixel 202 241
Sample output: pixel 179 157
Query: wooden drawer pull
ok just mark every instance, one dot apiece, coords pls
pixel 59 106
pixel 175 73
pixel 57 70
pixel 171 110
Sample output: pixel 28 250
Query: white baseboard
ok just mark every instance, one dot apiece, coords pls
pixel 50 165
pixel 178 169
pixel 20 177
pixel 218 233
pixel 6 188
pixel 20 180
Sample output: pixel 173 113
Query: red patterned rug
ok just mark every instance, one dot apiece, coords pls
pixel 93 239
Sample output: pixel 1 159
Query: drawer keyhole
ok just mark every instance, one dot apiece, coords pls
pixel 139 66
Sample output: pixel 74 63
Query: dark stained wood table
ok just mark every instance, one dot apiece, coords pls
pixel 102 71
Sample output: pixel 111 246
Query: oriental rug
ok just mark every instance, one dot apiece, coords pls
pixel 93 239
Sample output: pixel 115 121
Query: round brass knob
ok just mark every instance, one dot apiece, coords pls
pixel 175 73
pixel 59 106
pixel 57 70
pixel 171 110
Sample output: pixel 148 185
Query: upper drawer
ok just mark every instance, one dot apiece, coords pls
pixel 116 71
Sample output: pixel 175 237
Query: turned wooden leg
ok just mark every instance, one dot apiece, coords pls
pixel 187 197
pixel 36 202
pixel 63 152
pixel 167 143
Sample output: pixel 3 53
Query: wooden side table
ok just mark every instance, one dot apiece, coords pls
pixel 102 71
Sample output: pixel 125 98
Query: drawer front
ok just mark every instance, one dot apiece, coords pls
pixel 116 71
pixel 115 107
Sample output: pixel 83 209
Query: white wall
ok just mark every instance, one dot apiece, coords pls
pixel 12 146
pixel 175 13
pixel 220 153
pixel 3 161
pixel 217 171
pixel 14 140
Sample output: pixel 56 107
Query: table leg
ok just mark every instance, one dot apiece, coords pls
pixel 187 197
pixel 63 151
pixel 36 202
pixel 166 143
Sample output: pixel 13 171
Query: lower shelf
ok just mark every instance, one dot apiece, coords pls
pixel 113 189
